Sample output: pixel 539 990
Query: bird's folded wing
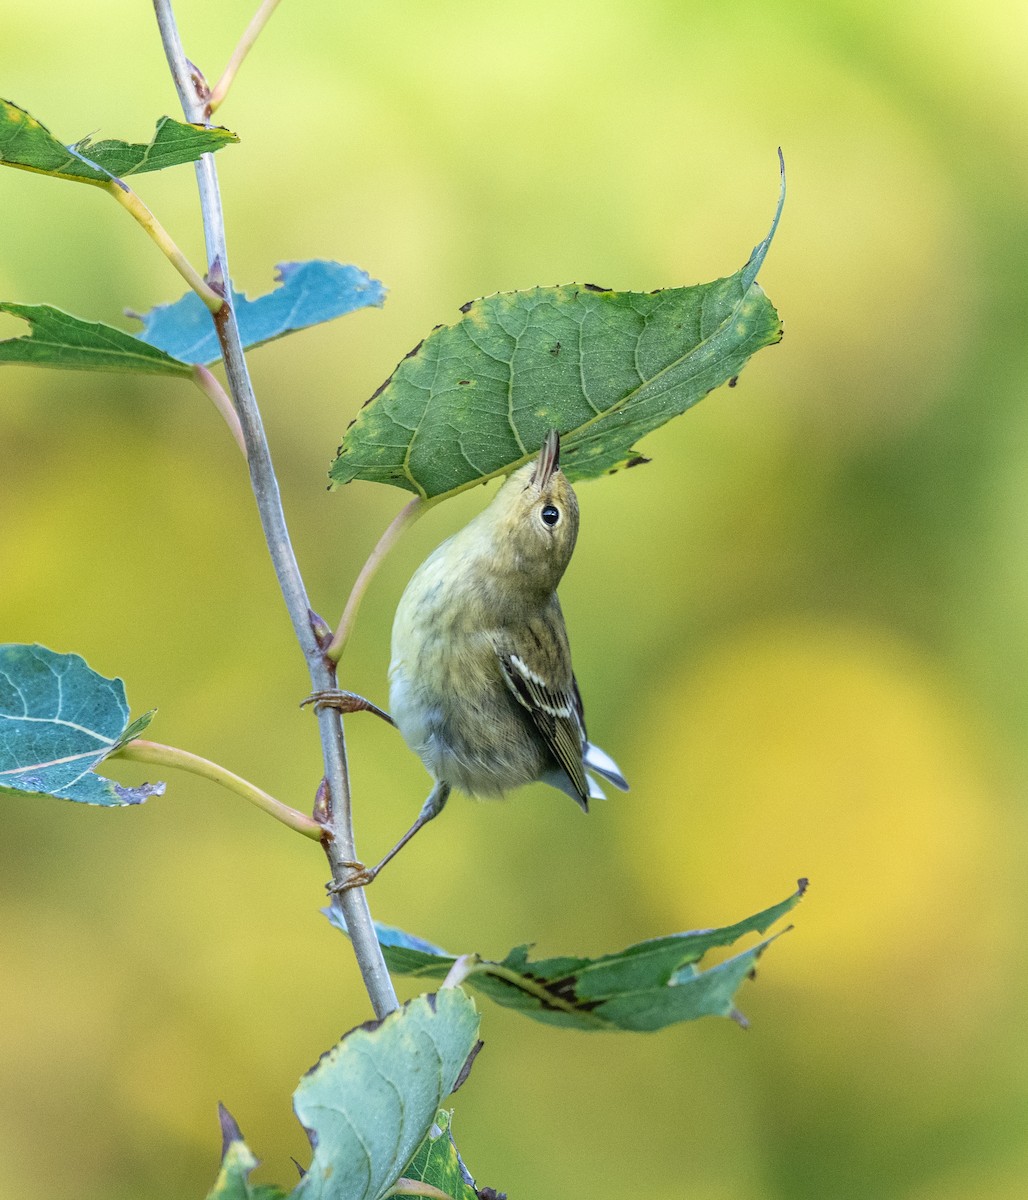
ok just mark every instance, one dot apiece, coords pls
pixel 555 711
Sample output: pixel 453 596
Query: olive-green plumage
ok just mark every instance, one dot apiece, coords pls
pixel 481 683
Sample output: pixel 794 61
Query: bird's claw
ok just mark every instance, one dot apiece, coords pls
pixel 358 875
pixel 344 702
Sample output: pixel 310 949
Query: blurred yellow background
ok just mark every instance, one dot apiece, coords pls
pixel 802 630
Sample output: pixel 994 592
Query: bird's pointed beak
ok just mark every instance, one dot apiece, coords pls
pixel 548 460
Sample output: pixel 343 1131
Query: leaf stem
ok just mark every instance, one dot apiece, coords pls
pixel 406 516
pixel 466 965
pixel 339 846
pixel 253 31
pixel 128 199
pixel 414 1187
pixel 140 750
pixel 214 392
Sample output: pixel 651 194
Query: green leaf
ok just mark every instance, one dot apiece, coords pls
pixel 57 339
pixel 370 1107
pixel 647 986
pixel 475 399
pixel 237 1161
pixel 27 144
pixel 756 259
pixel 233 1182
pixel 173 144
pixel 371 1100
pixel 309 293
pixel 437 1162
pixel 59 720
pixel 181 334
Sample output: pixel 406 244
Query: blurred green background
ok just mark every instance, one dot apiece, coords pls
pixel 802 630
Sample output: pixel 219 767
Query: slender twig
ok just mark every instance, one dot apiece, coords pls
pixel 128 199
pixel 139 750
pixel 253 31
pixel 214 392
pixel 339 842
pixel 410 512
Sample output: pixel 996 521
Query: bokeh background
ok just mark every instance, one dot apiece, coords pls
pixel 802 630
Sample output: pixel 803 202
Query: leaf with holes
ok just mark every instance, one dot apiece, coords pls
pixel 30 146
pixel 645 987
pixel 59 720
pixel 176 336
pixel 308 293
pixel 475 399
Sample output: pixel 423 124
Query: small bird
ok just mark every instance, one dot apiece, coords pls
pixel 481 683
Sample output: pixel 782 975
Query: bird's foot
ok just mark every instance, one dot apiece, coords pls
pixel 358 876
pixel 345 702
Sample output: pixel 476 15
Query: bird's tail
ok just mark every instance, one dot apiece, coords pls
pixel 599 761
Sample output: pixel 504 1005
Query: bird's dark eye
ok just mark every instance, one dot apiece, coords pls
pixel 550 514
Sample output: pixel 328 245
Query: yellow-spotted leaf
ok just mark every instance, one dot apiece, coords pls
pixel 27 144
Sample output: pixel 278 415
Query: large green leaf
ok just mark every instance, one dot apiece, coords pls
pixel 371 1106
pixel 57 339
pixel 371 1100
pixel 475 399
pixel 29 145
pixel 647 986
pixel 59 720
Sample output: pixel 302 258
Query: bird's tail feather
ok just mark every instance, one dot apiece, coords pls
pixel 599 761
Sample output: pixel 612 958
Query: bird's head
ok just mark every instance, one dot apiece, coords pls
pixel 536 514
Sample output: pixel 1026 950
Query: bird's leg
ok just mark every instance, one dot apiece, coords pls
pixel 345 702
pixel 432 807
pixel 361 875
